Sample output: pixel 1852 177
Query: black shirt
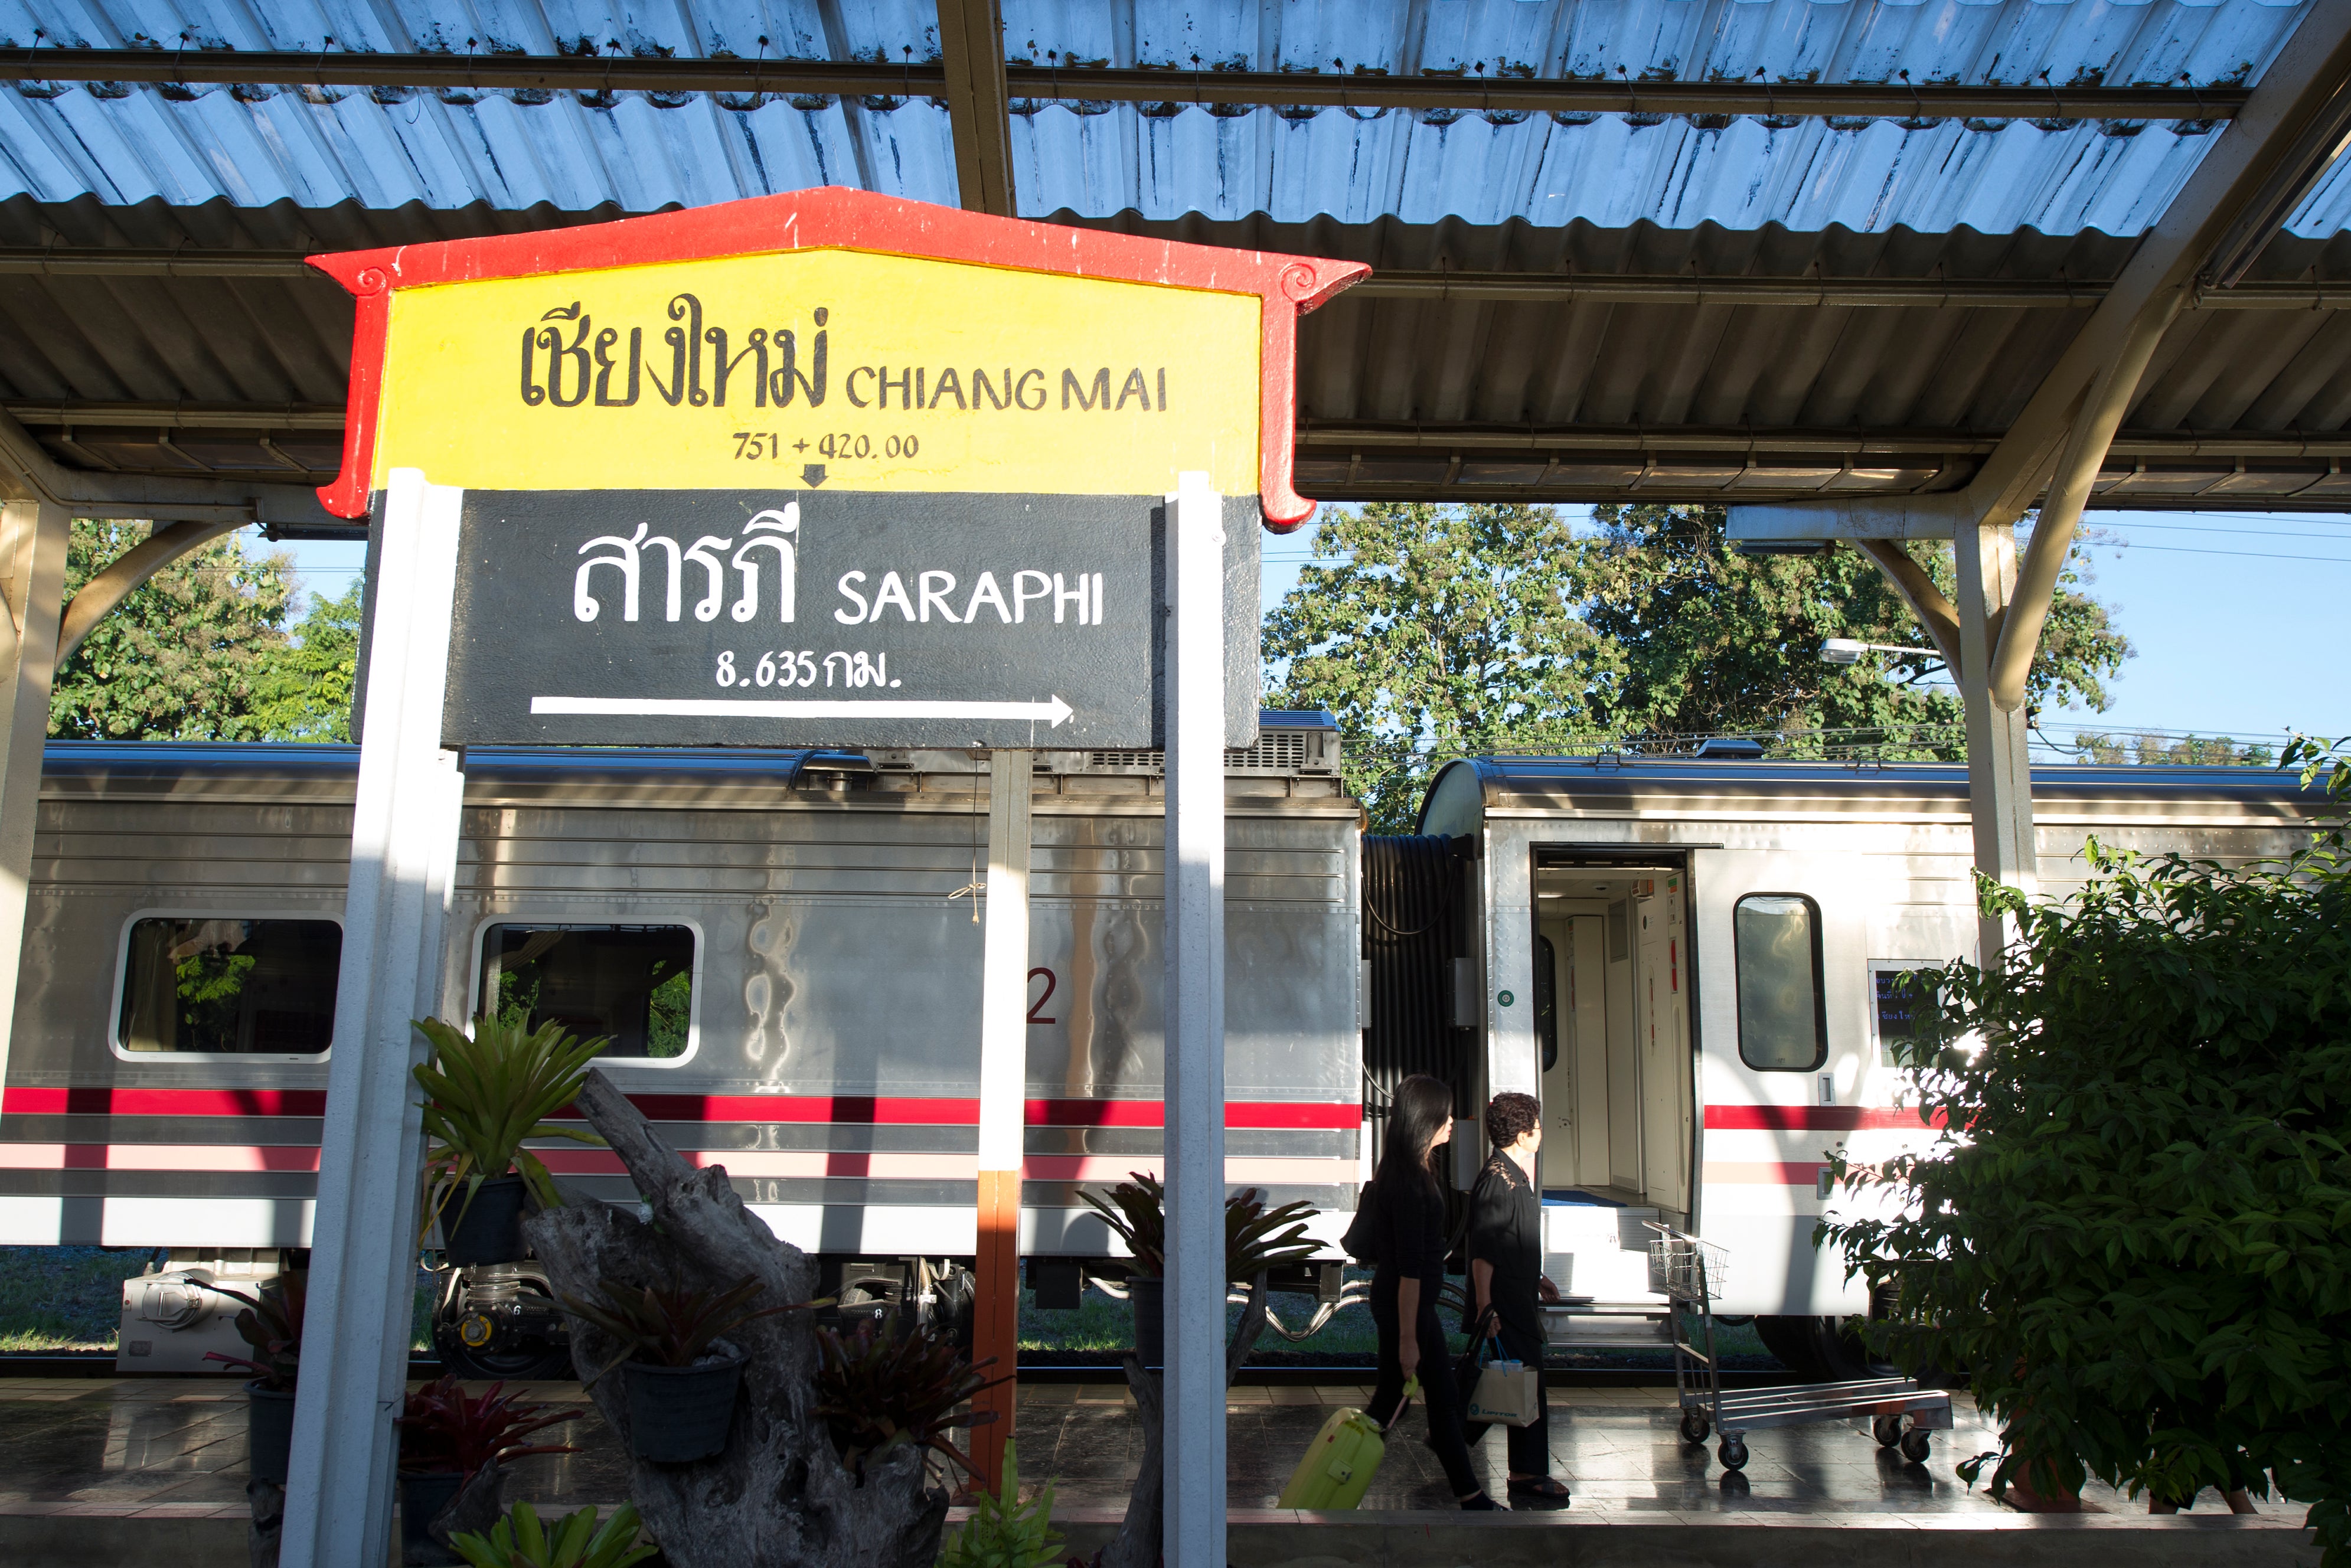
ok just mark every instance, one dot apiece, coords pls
pixel 1506 1228
pixel 1409 1218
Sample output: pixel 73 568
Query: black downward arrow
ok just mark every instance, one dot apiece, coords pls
pixel 812 476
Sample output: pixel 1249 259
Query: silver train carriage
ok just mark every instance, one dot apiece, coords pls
pixel 1691 964
pixel 784 949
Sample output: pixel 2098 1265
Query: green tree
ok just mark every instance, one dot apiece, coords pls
pixel 179 659
pixel 202 651
pixel 1433 631
pixel 1703 640
pixel 2140 1244
pixel 304 690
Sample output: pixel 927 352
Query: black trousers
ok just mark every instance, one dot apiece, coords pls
pixel 1529 1445
pixel 1438 1395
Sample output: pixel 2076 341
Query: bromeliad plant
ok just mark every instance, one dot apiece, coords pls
pixel 672 1327
pixel 486 1093
pixel 445 1430
pixel 879 1389
pixel 1256 1238
pixel 1005 1533
pixel 271 1324
pixel 520 1540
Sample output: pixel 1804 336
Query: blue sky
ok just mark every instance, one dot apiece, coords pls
pixel 2239 619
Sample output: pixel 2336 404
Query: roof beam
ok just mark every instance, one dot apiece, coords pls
pixel 1467 288
pixel 29 473
pixel 979 105
pixel 2295 94
pixel 635 73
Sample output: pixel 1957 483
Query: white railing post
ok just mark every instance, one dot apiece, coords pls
pixel 1195 936
pixel 405 824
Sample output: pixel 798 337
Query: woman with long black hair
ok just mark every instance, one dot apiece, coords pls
pixel 1409 1223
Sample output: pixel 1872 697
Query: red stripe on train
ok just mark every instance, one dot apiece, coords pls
pixel 1814 1118
pixel 846 1108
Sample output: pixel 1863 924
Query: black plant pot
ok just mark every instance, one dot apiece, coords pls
pixel 1149 1299
pixel 422 1495
pixel 680 1414
pixel 269 1432
pixel 491 1229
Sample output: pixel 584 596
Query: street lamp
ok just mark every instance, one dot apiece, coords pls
pixel 1846 650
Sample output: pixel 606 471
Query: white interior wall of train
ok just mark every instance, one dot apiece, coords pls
pixel 1739 923
pixel 825 1047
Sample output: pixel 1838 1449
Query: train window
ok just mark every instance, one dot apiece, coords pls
pixel 1783 1023
pixel 634 984
pixel 1896 1008
pixel 221 986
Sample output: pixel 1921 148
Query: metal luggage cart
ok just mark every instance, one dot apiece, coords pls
pixel 1691 1273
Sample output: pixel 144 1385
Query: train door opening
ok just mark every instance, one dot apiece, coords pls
pixel 1612 961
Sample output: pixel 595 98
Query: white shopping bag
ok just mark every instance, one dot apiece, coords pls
pixel 1508 1394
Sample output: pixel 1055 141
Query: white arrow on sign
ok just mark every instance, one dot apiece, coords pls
pixel 1053 711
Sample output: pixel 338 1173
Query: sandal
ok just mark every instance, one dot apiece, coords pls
pixel 1547 1492
pixel 1480 1504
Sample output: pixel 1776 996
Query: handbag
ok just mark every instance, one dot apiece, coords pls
pixel 1507 1393
pixel 1362 1240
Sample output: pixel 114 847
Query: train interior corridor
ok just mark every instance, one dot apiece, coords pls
pixel 1612 1023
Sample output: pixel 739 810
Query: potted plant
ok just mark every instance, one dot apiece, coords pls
pixel 448 1437
pixel 1256 1239
pixel 271 1324
pixel 878 1387
pixel 681 1377
pixel 520 1540
pixel 485 1093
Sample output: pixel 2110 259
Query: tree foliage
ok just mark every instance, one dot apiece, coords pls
pixel 202 650
pixel 1450 625
pixel 1435 631
pixel 2135 1228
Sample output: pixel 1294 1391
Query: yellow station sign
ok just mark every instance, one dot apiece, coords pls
pixel 840 367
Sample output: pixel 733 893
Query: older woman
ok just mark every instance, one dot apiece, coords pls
pixel 1506 1275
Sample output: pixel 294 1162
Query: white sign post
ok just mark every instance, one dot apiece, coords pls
pixel 1195 935
pixel 363 1247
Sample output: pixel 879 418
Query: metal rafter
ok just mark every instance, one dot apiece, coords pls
pixel 979 106
pixel 653 73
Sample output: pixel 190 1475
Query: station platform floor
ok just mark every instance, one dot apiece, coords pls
pixel 173 1450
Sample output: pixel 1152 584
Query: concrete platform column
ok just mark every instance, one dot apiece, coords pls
pixel 2000 778
pixel 33 535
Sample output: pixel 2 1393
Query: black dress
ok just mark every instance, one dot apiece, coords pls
pixel 1506 1230
pixel 1410 1225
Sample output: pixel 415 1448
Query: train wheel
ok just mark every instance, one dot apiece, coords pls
pixel 1695 1426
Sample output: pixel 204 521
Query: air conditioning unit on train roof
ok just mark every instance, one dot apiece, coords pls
pixel 1291 743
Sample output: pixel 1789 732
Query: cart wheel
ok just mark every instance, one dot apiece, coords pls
pixel 1732 1453
pixel 1917 1445
pixel 1695 1426
pixel 1886 1429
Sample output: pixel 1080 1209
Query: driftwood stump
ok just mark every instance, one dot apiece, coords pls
pixel 778 1496
pixel 1140 1534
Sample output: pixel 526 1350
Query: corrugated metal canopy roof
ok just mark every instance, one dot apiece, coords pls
pixel 1571 305
pixel 386 147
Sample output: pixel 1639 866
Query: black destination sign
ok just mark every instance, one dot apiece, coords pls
pixel 825 618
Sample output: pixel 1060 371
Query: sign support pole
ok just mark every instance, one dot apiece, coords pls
pixel 1195 936
pixel 405 824
pixel 1003 1083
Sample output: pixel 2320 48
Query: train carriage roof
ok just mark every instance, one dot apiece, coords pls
pixel 1466 793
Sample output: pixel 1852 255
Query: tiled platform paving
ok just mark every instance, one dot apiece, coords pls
pixel 107 1470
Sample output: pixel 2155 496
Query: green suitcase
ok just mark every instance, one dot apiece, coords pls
pixel 1343 1458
